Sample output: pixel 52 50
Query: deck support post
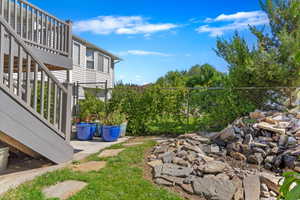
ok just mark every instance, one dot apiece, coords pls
pixel 67 112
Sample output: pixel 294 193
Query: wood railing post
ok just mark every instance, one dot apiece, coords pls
pixel 67 112
pixel 70 38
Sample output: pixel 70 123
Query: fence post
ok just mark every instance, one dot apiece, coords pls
pixel 105 100
pixel 106 91
pixel 188 111
pixel 67 112
pixel 77 100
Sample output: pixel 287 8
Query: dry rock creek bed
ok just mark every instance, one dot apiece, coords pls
pixel 243 161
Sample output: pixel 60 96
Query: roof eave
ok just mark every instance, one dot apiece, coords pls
pixel 93 46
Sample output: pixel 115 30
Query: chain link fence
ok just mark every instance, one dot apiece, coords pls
pixel 154 110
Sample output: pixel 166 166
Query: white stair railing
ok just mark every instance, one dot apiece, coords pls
pixel 31 84
pixel 37 27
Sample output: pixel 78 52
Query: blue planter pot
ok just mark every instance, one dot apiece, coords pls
pixel 84 131
pixel 111 133
pixel 93 128
pixel 123 129
pixel 99 130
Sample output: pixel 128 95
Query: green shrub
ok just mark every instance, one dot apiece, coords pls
pixel 90 107
pixel 286 192
pixel 149 106
pixel 112 119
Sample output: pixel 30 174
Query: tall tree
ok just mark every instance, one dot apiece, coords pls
pixel 205 76
pixel 274 61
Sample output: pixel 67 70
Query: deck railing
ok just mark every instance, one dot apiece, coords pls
pixel 29 82
pixel 37 27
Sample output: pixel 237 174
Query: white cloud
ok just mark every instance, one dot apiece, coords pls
pixel 143 53
pixel 195 20
pixel 241 15
pixel 237 21
pixel 122 76
pixel 127 25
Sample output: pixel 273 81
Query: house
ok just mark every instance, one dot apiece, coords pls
pixel 93 67
pixel 35 108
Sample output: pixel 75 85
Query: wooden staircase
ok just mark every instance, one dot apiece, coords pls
pixel 35 108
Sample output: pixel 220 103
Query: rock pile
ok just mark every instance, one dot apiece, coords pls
pixel 267 139
pixel 199 167
pixel 263 144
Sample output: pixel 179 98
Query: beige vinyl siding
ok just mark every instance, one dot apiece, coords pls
pixel 80 73
pixel 61 75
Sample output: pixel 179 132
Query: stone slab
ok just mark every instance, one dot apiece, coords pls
pixel 251 187
pixel 214 188
pixel 110 153
pixel 155 163
pixel 85 148
pixel 89 166
pixel 64 190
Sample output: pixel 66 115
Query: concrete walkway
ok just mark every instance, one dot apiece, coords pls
pixel 82 150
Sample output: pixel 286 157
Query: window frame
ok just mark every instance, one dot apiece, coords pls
pixel 103 57
pixel 79 53
pixel 100 56
pixel 108 66
pixel 90 60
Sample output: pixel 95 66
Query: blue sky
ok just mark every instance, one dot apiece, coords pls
pixel 156 36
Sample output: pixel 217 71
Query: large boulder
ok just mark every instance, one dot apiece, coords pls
pixel 212 167
pixel 228 134
pixel 214 188
pixel 176 170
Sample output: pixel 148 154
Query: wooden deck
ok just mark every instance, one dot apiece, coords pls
pixel 35 107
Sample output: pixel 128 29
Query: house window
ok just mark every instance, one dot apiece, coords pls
pixel 76 54
pixel 90 59
pixel 100 63
pixel 106 64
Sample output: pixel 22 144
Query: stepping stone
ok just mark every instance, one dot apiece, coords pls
pixel 89 166
pixel 110 153
pixel 132 144
pixel 64 190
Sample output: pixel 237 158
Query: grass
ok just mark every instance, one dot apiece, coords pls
pixel 122 179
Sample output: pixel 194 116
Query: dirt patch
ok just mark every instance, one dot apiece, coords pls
pixel 110 153
pixel 138 139
pixel 148 175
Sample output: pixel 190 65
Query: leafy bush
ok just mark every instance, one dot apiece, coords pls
pixel 112 119
pixel 217 108
pixel 90 106
pixel 148 107
pixel 287 192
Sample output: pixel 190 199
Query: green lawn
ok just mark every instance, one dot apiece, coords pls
pixel 121 179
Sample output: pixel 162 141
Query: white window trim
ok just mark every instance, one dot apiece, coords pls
pixel 93 60
pixel 79 51
pixel 109 63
